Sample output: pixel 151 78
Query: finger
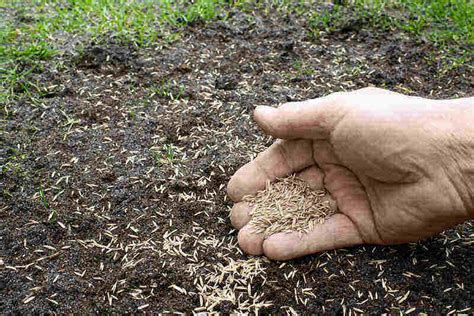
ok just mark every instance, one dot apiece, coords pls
pixel 347 190
pixel 308 119
pixel 250 242
pixel 279 160
pixel 331 201
pixel 324 154
pixel 313 176
pixel 352 200
pixel 338 231
pixel 374 91
pixel 240 214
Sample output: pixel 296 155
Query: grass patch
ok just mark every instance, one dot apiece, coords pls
pixel 35 31
pixel 448 24
pixel 140 22
pixel 443 22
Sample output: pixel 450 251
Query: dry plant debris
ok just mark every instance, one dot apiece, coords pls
pixel 289 205
pixel 231 282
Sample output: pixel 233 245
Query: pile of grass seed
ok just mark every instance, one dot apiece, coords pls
pixel 288 205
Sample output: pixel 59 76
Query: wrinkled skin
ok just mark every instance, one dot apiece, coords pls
pixel 400 168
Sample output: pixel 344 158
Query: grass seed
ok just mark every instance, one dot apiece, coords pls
pixel 288 205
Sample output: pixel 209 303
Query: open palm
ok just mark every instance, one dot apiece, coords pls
pixel 394 164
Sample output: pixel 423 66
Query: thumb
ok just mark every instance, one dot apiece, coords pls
pixel 313 119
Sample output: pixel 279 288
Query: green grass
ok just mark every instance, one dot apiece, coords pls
pixel 35 32
pixel 444 22
pixel 165 155
pixel 301 68
pixel 141 22
pixel 168 90
pixel 448 24
pixel 13 163
pixel 41 28
pixel 43 199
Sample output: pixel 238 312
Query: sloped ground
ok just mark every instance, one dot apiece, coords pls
pixel 113 187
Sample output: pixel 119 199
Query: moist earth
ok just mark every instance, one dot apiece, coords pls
pixel 113 186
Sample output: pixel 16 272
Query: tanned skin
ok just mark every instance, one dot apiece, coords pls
pixel 400 168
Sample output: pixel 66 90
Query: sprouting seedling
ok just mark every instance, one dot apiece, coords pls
pixel 43 199
pixel 168 90
pixel 167 154
pixel 52 217
pixel 298 65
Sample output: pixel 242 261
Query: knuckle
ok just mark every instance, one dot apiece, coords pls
pixel 370 90
pixel 338 98
pixel 338 95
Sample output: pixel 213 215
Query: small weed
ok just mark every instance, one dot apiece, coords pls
pixel 309 72
pixel 156 155
pixel 70 122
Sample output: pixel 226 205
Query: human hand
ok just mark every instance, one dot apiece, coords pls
pixel 400 168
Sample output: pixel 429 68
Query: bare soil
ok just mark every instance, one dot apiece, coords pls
pixel 115 196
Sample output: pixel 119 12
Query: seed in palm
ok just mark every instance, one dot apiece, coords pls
pixel 288 205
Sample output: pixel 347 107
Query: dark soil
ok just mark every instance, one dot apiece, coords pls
pixel 114 196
